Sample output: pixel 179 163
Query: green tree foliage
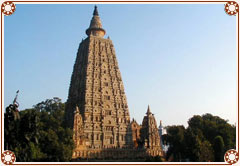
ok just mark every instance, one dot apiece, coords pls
pixel 212 126
pixel 206 138
pixel 11 131
pixel 218 148
pixel 39 135
pixel 175 140
pixel 206 153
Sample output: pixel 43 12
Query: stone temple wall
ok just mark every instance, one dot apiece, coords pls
pixel 97 90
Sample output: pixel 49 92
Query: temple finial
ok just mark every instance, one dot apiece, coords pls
pixel 148 110
pixel 95 28
pixel 95 12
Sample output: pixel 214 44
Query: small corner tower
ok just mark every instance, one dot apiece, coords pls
pixel 149 134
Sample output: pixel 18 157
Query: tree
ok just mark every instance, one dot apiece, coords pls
pixel 206 152
pixel 175 140
pixel 218 149
pixel 28 147
pixel 206 137
pixel 193 142
pixel 41 135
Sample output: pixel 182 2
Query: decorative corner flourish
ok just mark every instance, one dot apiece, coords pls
pixel 231 8
pixel 8 157
pixel 8 8
pixel 231 156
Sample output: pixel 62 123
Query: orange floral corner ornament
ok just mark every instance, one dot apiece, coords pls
pixel 8 8
pixel 8 157
pixel 231 156
pixel 231 8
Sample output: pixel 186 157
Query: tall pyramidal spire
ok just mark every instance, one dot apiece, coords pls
pixel 97 89
pixel 95 27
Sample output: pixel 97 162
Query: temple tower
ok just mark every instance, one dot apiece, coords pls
pixel 150 136
pixel 96 89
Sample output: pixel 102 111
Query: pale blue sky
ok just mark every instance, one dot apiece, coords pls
pixel 179 59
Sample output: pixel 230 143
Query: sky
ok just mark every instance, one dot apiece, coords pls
pixel 180 59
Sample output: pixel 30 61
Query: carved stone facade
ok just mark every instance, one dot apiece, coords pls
pixel 97 90
pixel 135 133
pixel 150 136
pixel 146 136
pixel 97 107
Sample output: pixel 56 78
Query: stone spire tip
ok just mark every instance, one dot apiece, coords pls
pixel 148 110
pixel 95 12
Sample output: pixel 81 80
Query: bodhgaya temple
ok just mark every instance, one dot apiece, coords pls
pixel 97 108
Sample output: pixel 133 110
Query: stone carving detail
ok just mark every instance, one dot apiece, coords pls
pixel 150 136
pixel 146 136
pixel 78 135
pixel 136 133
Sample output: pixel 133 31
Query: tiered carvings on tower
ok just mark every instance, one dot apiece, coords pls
pixel 97 90
pixel 106 111
pixel 150 135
